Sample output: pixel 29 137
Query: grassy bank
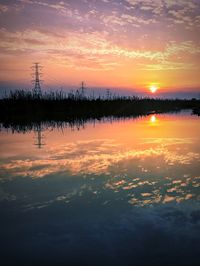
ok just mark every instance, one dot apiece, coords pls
pixel 24 107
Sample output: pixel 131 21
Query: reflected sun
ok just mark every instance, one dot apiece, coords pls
pixel 153 119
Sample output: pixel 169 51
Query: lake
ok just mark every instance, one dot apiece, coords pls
pixel 108 192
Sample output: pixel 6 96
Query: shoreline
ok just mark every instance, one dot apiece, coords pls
pixel 30 111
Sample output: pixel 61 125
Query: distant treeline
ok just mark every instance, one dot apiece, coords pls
pixel 24 107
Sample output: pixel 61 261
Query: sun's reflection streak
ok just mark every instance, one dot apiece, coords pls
pixel 153 119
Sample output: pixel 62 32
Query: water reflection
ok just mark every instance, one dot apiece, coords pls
pixel 144 170
pixel 39 136
pixel 153 119
pixel 106 194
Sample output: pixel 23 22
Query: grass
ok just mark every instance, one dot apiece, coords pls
pixel 22 107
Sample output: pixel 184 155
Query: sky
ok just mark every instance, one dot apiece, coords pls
pixel 124 44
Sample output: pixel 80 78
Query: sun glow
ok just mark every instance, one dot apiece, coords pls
pixel 153 88
pixel 153 119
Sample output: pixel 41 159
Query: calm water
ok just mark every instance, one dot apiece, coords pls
pixel 109 193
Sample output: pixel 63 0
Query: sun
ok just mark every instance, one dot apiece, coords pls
pixel 153 88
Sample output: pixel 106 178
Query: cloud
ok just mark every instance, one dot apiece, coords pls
pixel 173 48
pixel 126 20
pixel 3 8
pixel 181 3
pixel 58 6
pixel 104 36
pixel 93 50
pixel 167 65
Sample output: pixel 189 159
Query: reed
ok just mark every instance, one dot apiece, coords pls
pixel 24 106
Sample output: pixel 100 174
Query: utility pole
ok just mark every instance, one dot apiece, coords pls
pixel 37 73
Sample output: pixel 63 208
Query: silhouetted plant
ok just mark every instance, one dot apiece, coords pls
pixel 24 106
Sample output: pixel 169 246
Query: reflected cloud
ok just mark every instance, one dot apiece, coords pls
pixel 139 171
pixel 97 157
pixel 6 196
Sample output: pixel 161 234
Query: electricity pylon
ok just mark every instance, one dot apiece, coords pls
pixel 37 72
pixel 82 90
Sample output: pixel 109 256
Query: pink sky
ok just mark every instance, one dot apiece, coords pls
pixel 106 43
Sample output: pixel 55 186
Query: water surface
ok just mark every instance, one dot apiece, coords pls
pixel 120 192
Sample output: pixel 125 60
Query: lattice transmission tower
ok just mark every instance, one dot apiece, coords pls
pixel 83 89
pixel 37 73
